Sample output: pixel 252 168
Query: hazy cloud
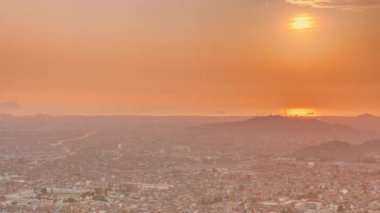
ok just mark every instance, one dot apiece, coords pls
pixel 9 105
pixel 342 4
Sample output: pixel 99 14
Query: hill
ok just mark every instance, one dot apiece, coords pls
pixel 340 151
pixel 282 133
pixel 365 121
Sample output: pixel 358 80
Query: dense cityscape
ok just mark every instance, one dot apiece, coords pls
pixel 79 164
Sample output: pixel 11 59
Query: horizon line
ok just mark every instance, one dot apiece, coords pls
pixel 180 115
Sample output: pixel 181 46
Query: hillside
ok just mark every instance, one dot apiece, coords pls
pixel 339 151
pixel 277 127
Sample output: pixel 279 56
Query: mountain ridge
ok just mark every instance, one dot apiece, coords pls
pixel 339 151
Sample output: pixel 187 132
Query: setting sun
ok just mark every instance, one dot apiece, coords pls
pixel 300 112
pixel 302 22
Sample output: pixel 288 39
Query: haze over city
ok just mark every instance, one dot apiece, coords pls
pixel 196 106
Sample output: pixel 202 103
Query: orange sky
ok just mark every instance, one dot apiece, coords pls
pixel 189 57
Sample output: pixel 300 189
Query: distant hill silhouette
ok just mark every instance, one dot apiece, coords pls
pixel 272 134
pixel 279 124
pixel 339 151
pixel 282 129
pixel 9 105
pixel 364 121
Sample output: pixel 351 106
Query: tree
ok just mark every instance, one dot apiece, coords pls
pixel 44 190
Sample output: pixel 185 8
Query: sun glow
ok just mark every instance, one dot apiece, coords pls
pixel 300 112
pixel 302 22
